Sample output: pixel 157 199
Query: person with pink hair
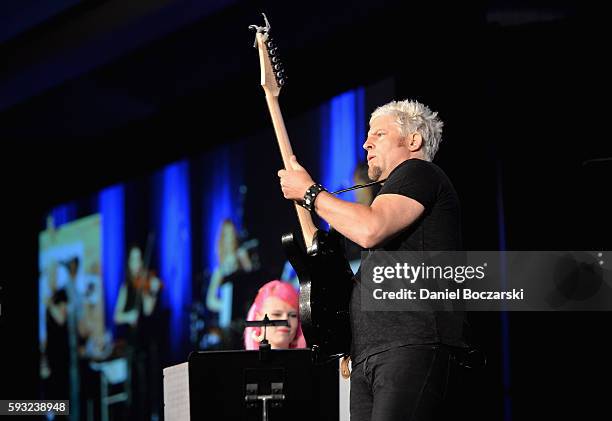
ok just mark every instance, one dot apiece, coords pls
pixel 279 300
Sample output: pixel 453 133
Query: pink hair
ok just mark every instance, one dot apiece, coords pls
pixel 286 292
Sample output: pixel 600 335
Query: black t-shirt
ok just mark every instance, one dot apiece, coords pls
pixel 439 228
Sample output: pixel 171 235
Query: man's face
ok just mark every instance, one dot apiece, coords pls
pixel 385 147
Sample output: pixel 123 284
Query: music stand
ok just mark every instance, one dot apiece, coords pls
pixel 243 386
pixel 264 345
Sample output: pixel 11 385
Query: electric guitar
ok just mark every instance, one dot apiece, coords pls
pixel 317 256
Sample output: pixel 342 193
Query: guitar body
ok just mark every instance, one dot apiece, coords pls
pixel 326 281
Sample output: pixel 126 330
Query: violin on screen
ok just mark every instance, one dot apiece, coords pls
pixel 147 282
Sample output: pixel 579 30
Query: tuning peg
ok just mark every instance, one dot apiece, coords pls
pixel 273 51
pixel 270 44
pixel 275 60
pixel 280 74
pixel 281 82
pixel 278 67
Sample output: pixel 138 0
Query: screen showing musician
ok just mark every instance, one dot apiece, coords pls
pixel 71 308
pixel 234 262
pixel 137 317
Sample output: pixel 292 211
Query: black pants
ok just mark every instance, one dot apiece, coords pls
pixel 406 383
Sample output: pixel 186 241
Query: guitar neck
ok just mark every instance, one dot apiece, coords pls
pixel 306 223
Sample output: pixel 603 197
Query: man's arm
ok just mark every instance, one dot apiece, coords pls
pixel 369 225
pixel 364 225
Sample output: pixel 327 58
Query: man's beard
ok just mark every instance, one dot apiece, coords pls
pixel 374 172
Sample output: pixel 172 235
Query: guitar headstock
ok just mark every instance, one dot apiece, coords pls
pixel 272 73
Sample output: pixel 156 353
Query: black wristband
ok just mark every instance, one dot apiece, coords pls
pixel 311 195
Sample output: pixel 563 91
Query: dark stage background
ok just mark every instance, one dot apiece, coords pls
pixel 95 93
